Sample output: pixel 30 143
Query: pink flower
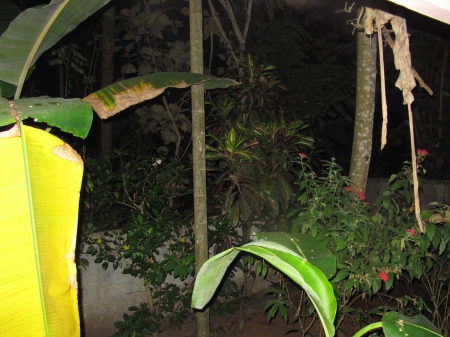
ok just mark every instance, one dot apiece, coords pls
pixel 301 154
pixel 422 152
pixel 411 231
pixel 383 276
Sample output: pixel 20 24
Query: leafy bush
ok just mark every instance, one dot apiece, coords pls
pixel 153 240
pixel 374 244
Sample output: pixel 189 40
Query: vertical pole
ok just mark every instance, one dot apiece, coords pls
pixel 198 148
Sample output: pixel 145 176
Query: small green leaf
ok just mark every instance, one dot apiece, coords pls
pixel 431 231
pixel 342 274
pixel 328 210
pixel 340 244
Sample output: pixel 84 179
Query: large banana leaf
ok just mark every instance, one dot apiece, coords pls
pixel 306 246
pixel 309 277
pixel 117 97
pixel 70 115
pixel 36 30
pixel 395 324
pixel 39 196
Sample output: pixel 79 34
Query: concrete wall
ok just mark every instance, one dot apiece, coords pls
pixel 106 294
pixel 432 190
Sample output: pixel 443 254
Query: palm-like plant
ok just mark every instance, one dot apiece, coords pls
pixel 260 89
pixel 255 163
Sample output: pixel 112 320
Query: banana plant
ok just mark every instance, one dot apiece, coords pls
pixel 291 262
pixel 41 180
pixel 296 257
pixel 395 324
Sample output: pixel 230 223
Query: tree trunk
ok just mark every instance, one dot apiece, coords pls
pixel 198 148
pixel 365 105
pixel 107 77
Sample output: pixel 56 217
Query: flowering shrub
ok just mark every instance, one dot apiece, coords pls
pixel 375 245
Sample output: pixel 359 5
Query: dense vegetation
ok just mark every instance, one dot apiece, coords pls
pixel 278 153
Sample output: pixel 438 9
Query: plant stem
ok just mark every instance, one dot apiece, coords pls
pixel 368 328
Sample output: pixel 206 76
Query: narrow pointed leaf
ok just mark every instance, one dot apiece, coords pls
pixel 117 97
pixel 243 153
pixel 233 214
pixel 310 278
pixel 36 30
pixel 38 226
pixel 70 115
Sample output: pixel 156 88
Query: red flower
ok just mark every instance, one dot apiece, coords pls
pixel 383 276
pixel 301 154
pixel 348 189
pixel 360 195
pixel 411 231
pixel 422 152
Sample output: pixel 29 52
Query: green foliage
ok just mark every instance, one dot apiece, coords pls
pixel 69 60
pixel 253 167
pixel 139 197
pixel 137 324
pixel 149 42
pixel 259 90
pixel 315 61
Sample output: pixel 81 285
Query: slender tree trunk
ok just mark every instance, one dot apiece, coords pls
pixel 107 76
pixel 365 105
pixel 198 148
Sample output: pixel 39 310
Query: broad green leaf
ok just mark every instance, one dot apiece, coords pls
pixel 36 30
pixel 39 197
pixel 307 247
pixel 306 275
pixel 117 97
pixel 70 115
pixel 8 11
pixel 395 324
pixel 7 90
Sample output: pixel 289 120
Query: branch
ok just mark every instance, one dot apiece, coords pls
pixel 237 31
pixel 224 35
pixel 247 21
pixel 175 128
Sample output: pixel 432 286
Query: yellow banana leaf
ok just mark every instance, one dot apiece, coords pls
pixel 38 225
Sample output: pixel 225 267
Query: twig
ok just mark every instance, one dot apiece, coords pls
pixel 222 32
pixel 175 128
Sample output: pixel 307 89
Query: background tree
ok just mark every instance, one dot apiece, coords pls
pixel 366 68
